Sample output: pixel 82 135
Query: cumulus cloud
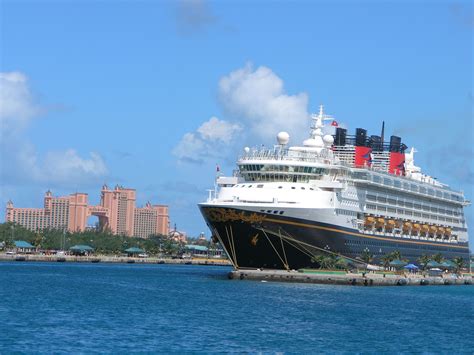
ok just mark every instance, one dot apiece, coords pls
pixel 209 140
pixel 20 161
pixel 17 105
pixel 258 98
pixel 68 165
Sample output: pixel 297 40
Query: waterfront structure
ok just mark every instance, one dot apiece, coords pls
pixel 335 194
pixel 116 212
pixel 178 236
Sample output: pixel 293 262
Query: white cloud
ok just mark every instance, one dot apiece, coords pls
pixel 217 130
pixel 17 105
pixel 19 159
pixel 209 140
pixel 258 97
pixel 69 166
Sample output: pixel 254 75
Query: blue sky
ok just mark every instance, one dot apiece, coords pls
pixel 154 94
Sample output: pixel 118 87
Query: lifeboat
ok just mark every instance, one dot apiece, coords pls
pixel 380 222
pixel 416 226
pixel 369 221
pixel 406 226
pixel 390 224
pixel 425 227
pixel 447 231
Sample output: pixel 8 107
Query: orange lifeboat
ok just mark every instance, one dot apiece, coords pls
pixel 390 224
pixel 447 231
pixel 416 226
pixel 380 222
pixel 369 221
pixel 406 226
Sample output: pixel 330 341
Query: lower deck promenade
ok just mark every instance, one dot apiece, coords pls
pixel 111 259
pixel 350 279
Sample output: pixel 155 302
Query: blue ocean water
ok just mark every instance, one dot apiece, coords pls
pixel 67 307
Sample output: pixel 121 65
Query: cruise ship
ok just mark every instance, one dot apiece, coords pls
pixel 335 193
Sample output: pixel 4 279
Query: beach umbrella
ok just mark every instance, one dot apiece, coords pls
pixel 397 263
pixel 448 264
pixel 433 264
pixel 411 267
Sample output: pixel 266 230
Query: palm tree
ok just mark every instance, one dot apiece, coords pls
pixel 396 255
pixel 318 259
pixel 423 260
pixel 327 262
pixel 437 257
pixel 367 256
pixel 386 259
pixel 459 261
pixel 342 263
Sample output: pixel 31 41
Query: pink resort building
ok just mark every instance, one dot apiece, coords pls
pixel 117 212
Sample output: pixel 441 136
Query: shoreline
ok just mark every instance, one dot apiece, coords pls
pixel 350 279
pixel 111 259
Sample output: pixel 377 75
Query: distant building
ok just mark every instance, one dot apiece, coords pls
pixel 177 236
pixel 150 220
pixel 116 212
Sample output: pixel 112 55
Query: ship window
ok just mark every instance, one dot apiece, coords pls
pixel 302 188
pixel 293 187
pixel 413 187
pixel 431 192
pixel 280 187
pixel 387 182
pixel 259 186
pixel 250 186
pixel 275 212
pixel 311 189
pixel 269 211
pixel 281 212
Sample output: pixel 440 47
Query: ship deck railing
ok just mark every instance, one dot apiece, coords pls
pixel 327 158
pixel 407 236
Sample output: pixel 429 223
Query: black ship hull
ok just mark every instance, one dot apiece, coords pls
pixel 254 240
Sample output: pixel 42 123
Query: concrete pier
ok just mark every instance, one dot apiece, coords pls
pixel 111 259
pixel 350 279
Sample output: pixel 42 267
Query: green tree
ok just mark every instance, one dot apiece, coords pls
pixel 341 263
pixel 386 259
pixel 423 260
pixel 459 261
pixel 438 258
pixel 367 256
pixel 396 255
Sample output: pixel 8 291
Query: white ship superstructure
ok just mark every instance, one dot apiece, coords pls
pixel 339 193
